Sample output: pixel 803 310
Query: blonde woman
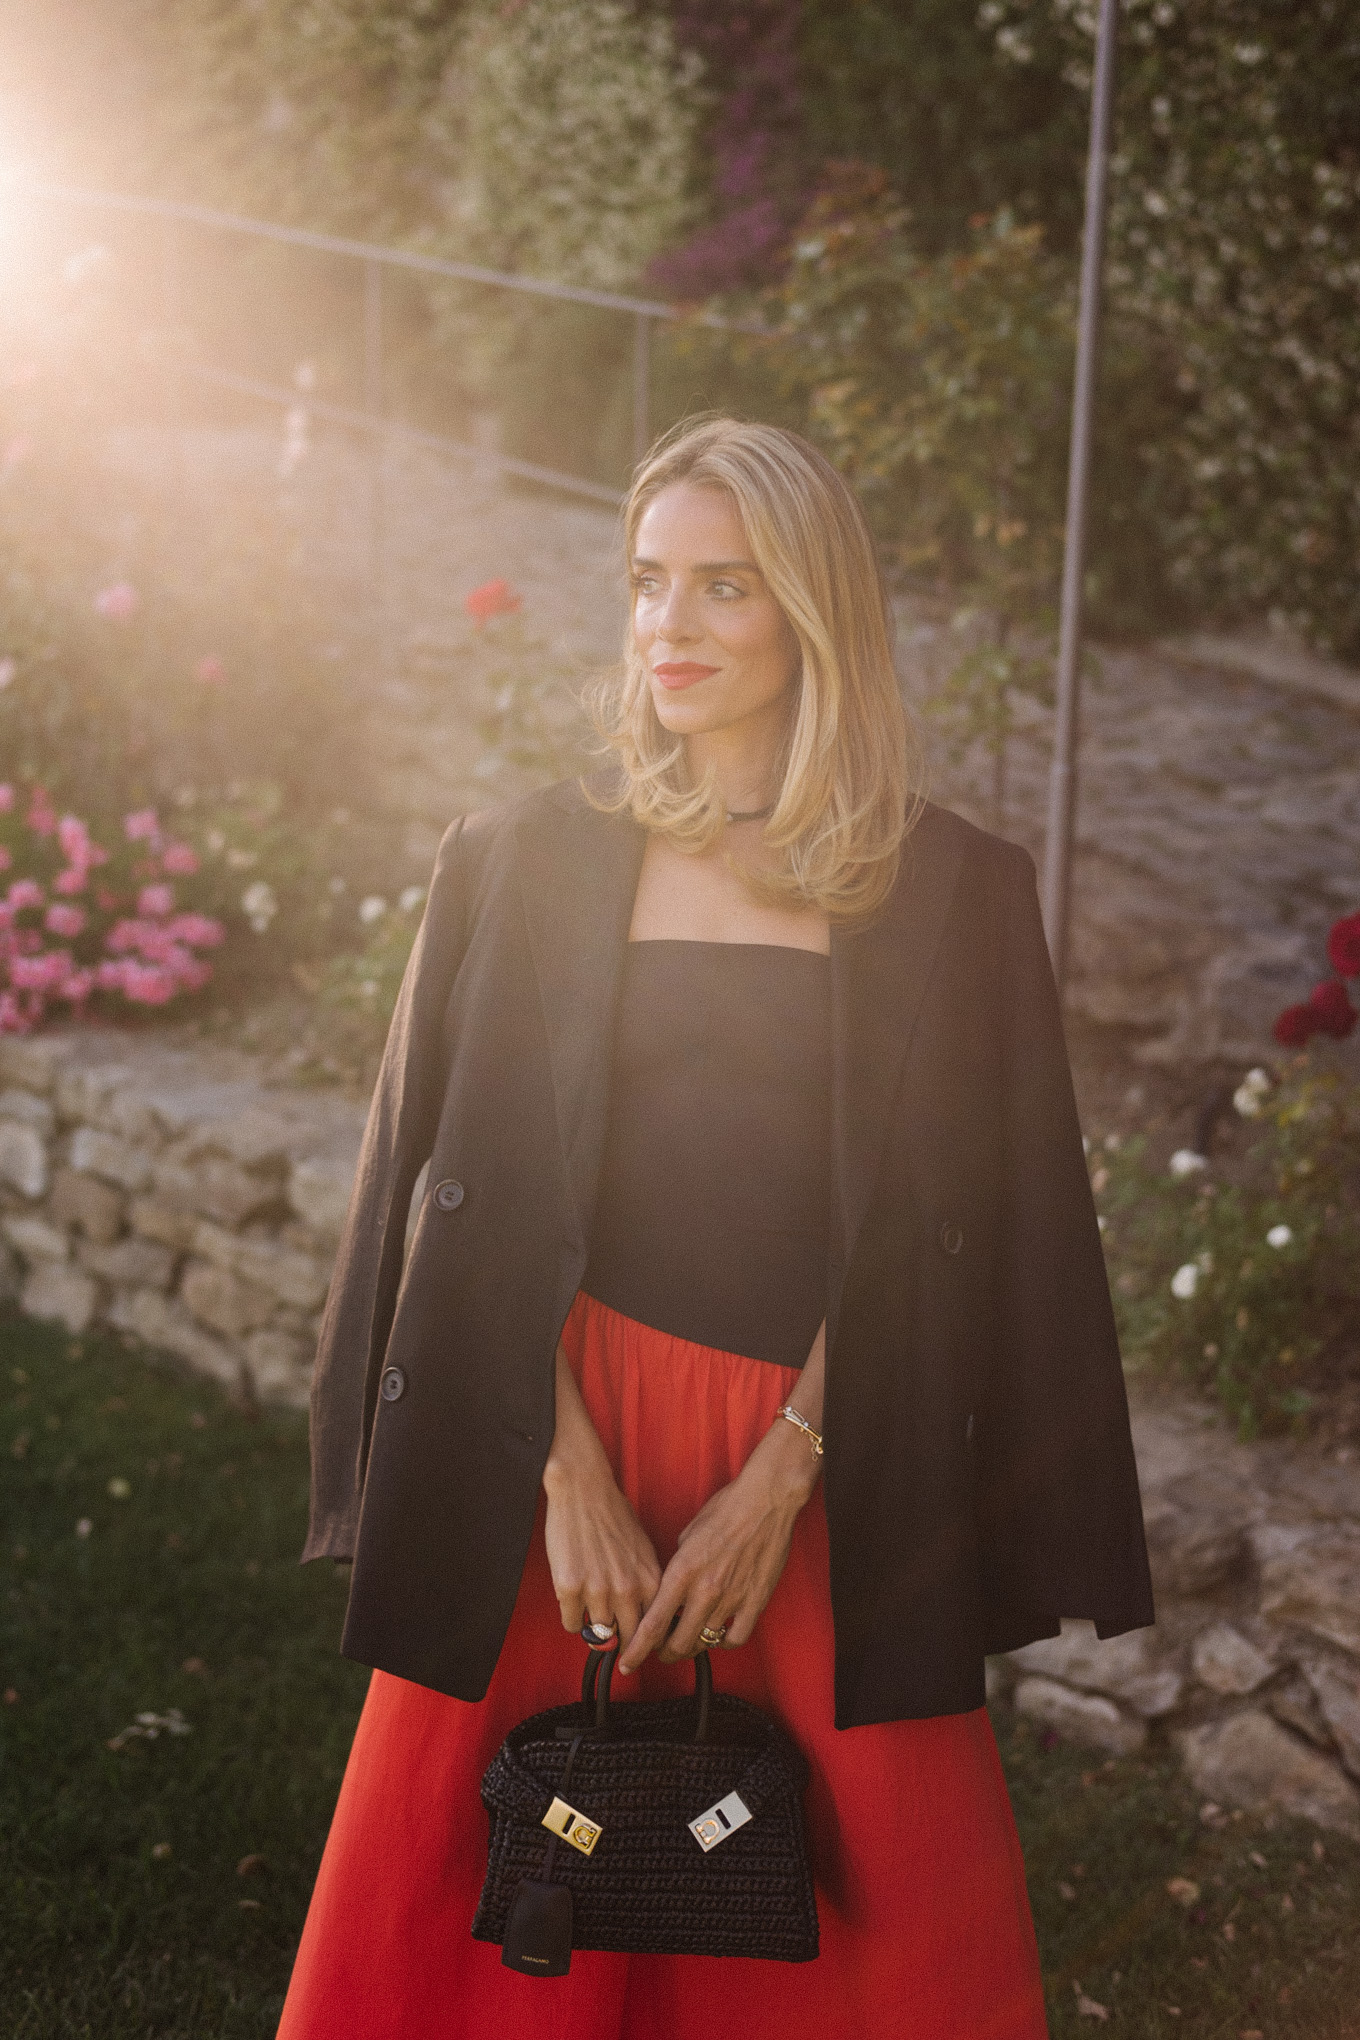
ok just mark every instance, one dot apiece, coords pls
pixel 741 1077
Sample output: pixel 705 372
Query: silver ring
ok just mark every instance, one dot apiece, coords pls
pixel 598 1633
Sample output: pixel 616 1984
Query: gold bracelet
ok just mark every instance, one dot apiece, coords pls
pixel 791 1416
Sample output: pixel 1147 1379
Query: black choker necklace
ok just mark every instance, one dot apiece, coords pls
pixel 759 814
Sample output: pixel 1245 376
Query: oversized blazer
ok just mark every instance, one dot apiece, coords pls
pixel 979 1476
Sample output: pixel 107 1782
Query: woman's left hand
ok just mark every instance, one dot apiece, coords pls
pixel 731 1555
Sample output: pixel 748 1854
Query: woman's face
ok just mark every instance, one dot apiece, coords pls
pixel 718 650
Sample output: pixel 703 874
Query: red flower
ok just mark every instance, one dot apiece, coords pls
pixel 1296 1026
pixel 493 598
pixel 1343 946
pixel 1332 1010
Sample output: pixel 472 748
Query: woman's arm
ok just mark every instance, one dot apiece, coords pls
pixel 604 1568
pixel 731 1555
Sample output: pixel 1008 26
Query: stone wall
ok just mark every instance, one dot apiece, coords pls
pixel 166 1193
pixel 169 1194
pixel 1253 1669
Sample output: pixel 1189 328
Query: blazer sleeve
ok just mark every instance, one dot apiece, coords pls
pixel 1058 1509
pixel 398 1137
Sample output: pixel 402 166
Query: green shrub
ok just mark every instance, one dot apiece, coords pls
pixel 1248 1284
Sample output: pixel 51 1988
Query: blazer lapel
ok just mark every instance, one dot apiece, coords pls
pixel 578 872
pixel 879 976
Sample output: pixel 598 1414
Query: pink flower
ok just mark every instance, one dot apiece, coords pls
pixel 109 976
pixel 147 985
pixel 194 974
pixel 200 931
pixel 25 892
pixel 179 859
pixel 210 670
pixel 65 920
pixel 74 838
pixel 493 598
pixel 12 1020
pixel 40 973
pixel 142 826
pixel 119 602
pixel 6 797
pixel 1343 946
pixel 42 816
pixel 156 899
pixel 73 881
pixel 77 987
pixel 125 935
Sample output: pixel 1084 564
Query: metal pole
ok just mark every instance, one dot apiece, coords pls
pixel 1062 785
pixel 377 452
pixel 642 391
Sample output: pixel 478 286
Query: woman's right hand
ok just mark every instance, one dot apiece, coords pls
pixel 604 1568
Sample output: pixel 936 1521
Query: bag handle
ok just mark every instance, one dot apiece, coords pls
pixel 598 1676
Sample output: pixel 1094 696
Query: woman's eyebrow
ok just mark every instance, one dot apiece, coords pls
pixel 708 566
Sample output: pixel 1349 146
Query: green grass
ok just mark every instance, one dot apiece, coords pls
pixel 100 1936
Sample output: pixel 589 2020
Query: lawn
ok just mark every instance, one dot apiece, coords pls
pixel 157 1888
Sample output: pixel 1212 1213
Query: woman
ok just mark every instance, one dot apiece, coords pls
pixel 741 1077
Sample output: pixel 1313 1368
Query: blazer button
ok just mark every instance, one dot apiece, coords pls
pixel 951 1238
pixel 392 1385
pixel 448 1196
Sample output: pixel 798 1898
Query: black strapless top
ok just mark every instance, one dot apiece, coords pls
pixel 713 1210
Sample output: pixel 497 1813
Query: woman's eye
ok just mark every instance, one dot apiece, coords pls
pixel 726 589
pixel 644 584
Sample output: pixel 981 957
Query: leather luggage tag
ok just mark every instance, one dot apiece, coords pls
pixel 538 1932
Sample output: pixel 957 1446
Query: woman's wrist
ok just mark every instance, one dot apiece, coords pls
pixel 789 1462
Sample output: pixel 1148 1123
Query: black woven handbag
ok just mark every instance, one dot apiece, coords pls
pixel 667 1827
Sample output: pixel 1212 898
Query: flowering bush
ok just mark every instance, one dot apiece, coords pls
pixel 82 922
pixel 1247 1282
pixel 1328 1008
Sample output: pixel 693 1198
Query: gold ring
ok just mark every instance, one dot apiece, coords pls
pixel 711 1638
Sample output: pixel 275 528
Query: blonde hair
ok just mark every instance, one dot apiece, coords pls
pixel 849 789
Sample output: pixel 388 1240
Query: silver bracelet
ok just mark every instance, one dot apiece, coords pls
pixel 791 1416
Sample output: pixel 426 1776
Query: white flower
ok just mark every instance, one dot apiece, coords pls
pixel 1279 1236
pixel 259 904
pixel 372 909
pixel 1249 1093
pixel 1185 1281
pixel 413 897
pixel 1185 1162
pixel 84 1527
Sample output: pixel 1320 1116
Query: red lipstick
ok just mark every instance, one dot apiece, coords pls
pixel 678 674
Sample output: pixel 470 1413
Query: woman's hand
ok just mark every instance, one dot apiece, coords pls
pixel 604 1568
pixel 731 1555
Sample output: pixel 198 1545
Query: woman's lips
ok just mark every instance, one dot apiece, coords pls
pixel 676 676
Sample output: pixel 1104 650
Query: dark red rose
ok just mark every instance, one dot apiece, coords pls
pixel 493 598
pixel 1343 946
pixel 1332 1010
pixel 1296 1026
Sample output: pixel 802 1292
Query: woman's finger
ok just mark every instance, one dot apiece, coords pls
pixel 652 1629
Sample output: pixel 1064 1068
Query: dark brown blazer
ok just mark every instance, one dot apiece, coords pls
pixel 980 1480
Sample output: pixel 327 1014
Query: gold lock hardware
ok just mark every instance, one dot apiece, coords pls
pixel 575 1828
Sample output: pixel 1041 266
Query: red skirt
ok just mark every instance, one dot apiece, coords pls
pixel 925 1922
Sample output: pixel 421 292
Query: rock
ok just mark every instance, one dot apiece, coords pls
pixel 254 1138
pixel 223 1301
pixel 1338 1697
pixel 1310 1579
pixel 280 1367
pixel 32 1062
pixel 1126 1666
pixel 92 1207
pixel 35 1238
pixel 163 1322
pixel 133 1263
pixel 83 1089
pixel 23 1158
pixel 1295 1704
pixel 319 1191
pixel 295 1278
pixel 215 1188
pixel 28 1110
pixel 104 1154
pixel 1191 1553
pixel 1085 1718
pixel 1250 1761
pixel 154 1219
pixel 1225 1662
pixel 60 1293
